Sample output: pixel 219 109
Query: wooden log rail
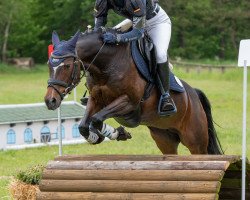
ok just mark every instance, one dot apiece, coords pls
pixel 143 177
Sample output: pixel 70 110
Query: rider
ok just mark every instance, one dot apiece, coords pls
pixel 147 16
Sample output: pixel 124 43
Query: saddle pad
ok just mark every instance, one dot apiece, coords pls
pixel 175 83
pixel 140 62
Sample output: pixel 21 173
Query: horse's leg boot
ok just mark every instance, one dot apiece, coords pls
pixel 84 99
pixel 166 106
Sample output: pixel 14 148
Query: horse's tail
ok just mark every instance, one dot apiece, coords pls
pixel 214 146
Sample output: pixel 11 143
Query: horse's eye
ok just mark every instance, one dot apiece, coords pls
pixel 67 66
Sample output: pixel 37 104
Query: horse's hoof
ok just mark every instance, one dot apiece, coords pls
pixel 123 134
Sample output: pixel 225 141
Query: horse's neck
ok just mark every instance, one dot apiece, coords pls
pixel 113 59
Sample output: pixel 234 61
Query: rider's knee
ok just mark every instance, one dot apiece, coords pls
pixel 161 57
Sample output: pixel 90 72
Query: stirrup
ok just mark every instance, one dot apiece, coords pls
pixel 170 109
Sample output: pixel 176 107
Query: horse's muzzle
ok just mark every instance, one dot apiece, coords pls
pixel 52 103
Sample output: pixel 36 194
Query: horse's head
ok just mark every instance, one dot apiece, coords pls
pixel 64 70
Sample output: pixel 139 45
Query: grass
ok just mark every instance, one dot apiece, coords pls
pixel 24 86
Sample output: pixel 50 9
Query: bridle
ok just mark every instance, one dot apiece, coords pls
pixel 74 78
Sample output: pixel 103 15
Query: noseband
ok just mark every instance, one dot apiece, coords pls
pixel 68 86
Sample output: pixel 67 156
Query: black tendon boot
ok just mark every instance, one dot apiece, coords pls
pixel 166 106
pixel 84 99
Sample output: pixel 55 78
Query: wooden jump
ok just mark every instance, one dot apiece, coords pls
pixel 143 177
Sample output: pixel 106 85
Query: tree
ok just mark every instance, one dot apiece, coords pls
pixel 200 28
pixel 6 16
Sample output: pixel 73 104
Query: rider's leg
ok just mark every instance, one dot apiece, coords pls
pixel 166 105
pixel 159 30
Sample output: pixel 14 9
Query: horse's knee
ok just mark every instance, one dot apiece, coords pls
pixel 161 56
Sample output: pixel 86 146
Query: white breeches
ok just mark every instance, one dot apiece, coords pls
pixel 159 30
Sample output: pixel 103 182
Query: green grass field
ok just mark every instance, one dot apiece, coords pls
pixel 29 86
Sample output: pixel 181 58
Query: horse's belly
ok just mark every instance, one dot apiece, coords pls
pixel 131 120
pixel 127 123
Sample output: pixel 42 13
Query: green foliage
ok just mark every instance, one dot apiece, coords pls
pixel 31 175
pixel 207 28
pixel 200 28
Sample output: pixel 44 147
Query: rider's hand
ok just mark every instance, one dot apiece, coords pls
pixel 109 38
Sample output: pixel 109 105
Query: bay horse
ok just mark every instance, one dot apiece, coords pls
pixel 116 91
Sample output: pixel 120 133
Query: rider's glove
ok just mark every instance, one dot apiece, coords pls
pixel 109 38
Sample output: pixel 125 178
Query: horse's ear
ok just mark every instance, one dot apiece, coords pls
pixel 55 38
pixel 74 39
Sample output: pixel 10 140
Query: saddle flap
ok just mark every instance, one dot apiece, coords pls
pixel 145 60
pixel 145 46
pixel 140 62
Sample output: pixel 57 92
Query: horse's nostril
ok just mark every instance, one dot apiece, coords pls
pixel 52 101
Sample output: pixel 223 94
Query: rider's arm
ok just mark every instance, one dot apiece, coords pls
pixel 138 21
pixel 135 34
pixel 101 13
pixel 137 9
pixel 100 21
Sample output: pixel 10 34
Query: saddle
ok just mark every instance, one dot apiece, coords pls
pixel 143 53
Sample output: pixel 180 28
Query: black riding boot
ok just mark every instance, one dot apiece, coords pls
pixel 166 106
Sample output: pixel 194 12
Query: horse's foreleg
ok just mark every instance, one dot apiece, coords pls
pixel 118 107
pixel 90 136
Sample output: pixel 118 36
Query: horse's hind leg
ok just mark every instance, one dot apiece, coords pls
pixel 166 140
pixel 196 140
